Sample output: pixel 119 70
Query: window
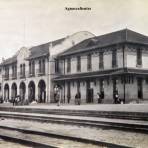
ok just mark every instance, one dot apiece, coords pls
pixel 41 70
pixel 101 61
pixel 68 91
pixel 33 67
pixel 101 85
pixel 114 58
pixel 14 71
pixel 43 66
pixel 146 80
pixel 23 69
pixel 39 66
pixel 56 65
pixel 68 65
pixel 78 63
pixel 7 72
pixel 78 86
pixel 139 57
pixel 89 62
pixel 29 67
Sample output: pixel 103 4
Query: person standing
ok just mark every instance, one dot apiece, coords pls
pixel 116 97
pixel 58 95
pixel 79 98
pixel 99 98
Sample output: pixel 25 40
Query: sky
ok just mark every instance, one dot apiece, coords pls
pixel 33 22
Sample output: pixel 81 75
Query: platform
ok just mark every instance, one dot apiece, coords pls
pixel 89 107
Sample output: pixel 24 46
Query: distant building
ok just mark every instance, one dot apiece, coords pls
pixel 80 63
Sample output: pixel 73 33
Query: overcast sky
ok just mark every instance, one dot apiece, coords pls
pixel 33 22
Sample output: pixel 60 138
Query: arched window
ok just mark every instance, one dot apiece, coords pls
pixel 33 67
pixel 43 66
pixel 23 69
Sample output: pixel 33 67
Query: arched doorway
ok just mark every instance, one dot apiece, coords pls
pixel 31 91
pixel 22 91
pixel 6 92
pixel 42 91
pixel 13 90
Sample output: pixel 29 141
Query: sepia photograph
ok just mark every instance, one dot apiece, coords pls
pixel 73 74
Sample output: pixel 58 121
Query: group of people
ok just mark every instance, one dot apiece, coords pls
pixel 78 98
pixel 16 100
pixel 100 96
pixel 58 100
pixel 117 100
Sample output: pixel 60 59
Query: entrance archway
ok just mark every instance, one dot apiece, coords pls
pixel 22 91
pixel 13 90
pixel 42 91
pixel 31 91
pixel 6 92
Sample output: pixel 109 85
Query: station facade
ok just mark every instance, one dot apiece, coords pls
pixel 81 63
pixel 29 72
pixel 114 61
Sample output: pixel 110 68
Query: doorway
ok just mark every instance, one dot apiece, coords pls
pixel 89 93
pixel 42 91
pixel 140 88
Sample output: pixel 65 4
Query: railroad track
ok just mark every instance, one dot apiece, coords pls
pixel 70 118
pixel 40 139
pixel 86 113
pixel 134 127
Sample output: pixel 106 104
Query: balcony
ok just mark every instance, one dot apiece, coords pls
pixel 6 77
pixel 40 72
pixel 14 76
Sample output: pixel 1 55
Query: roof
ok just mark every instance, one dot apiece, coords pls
pixel 117 37
pixel 10 60
pixel 36 51
pixel 41 50
pixel 92 74
pixel 102 73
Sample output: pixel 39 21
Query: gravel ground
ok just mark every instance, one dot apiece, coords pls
pixel 6 144
pixel 60 143
pixel 113 136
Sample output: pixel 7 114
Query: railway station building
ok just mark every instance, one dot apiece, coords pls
pixel 82 63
